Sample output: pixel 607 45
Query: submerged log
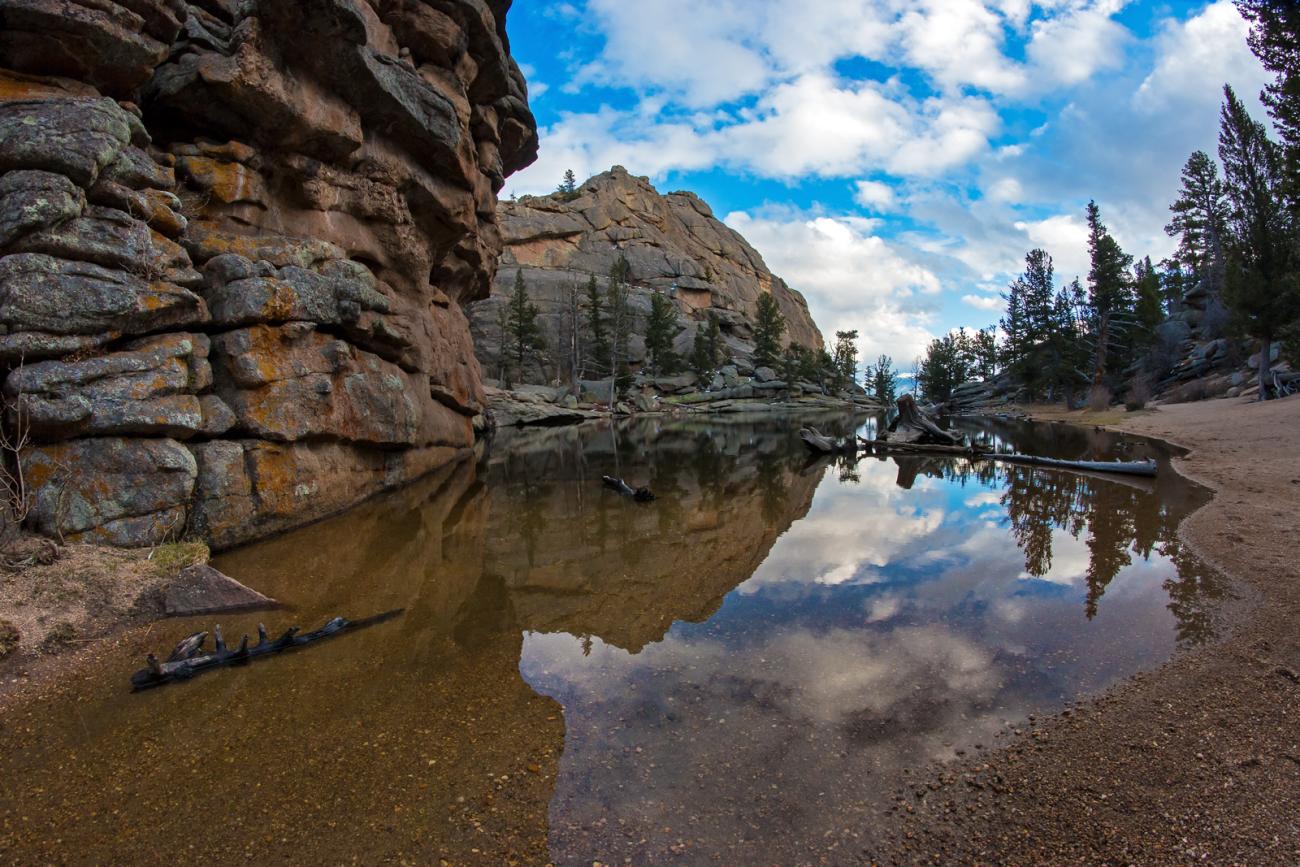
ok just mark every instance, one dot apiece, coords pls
pixel 188 658
pixel 641 495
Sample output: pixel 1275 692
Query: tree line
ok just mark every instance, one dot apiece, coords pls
pixel 1237 222
pixel 597 322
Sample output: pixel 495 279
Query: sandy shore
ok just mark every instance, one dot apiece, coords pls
pixel 1198 761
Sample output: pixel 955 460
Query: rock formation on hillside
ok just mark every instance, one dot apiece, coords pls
pixel 672 242
pixel 236 237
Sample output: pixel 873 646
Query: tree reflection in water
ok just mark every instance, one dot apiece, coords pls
pixel 1119 517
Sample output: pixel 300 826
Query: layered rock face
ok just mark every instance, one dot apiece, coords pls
pixel 672 242
pixel 236 239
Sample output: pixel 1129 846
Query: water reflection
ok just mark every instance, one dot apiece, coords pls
pixel 740 671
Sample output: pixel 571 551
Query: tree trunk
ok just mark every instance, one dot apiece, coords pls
pixel 912 425
pixel 1265 350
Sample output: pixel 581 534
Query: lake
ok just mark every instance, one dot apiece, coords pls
pixel 746 670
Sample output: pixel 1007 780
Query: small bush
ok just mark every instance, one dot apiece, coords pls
pixel 172 558
pixel 1100 398
pixel 1139 392
pixel 61 636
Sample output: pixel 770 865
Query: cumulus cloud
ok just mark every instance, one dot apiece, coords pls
pixel 1197 56
pixel 935 137
pixel 984 302
pixel 852 278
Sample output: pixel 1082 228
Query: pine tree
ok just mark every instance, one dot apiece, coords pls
pixel 1110 296
pixel 1015 326
pixel 568 188
pixel 1029 320
pixel 1067 352
pixel 1199 222
pixel 706 350
pixel 661 330
pixel 986 352
pixel 1149 307
pixel 884 381
pixel 846 356
pixel 942 369
pixel 1275 40
pixel 619 315
pixel 769 328
pixel 521 322
pixel 597 329
pixel 505 354
pixel 1261 288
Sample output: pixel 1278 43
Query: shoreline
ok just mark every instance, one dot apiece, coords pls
pixel 1196 760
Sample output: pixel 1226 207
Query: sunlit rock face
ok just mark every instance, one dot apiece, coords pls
pixel 245 233
pixel 672 243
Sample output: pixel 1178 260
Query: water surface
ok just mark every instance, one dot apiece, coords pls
pixel 743 671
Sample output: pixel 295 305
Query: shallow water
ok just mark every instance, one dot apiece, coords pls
pixel 745 670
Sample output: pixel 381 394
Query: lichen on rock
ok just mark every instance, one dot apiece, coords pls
pixel 304 192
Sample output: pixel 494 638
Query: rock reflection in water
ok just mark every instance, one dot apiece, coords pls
pixel 740 670
pixel 408 742
pixel 919 606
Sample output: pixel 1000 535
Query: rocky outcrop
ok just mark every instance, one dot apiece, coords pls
pixel 672 242
pixel 236 240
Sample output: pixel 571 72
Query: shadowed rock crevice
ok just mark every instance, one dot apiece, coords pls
pixel 235 239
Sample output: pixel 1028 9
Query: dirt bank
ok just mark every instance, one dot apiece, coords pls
pixel 1198 761
pixel 56 601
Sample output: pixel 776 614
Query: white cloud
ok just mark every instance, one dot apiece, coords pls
pixel 1197 56
pixel 874 196
pixel 1072 47
pixel 984 302
pixel 1065 238
pixel 853 279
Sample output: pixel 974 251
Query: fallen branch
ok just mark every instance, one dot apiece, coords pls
pixel 188 659
pixel 641 495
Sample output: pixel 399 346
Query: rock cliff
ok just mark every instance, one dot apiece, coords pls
pixel 236 240
pixel 672 242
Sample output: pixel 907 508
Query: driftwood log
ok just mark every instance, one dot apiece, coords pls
pixel 188 658
pixel 641 495
pixel 819 443
pixel 1132 468
pixel 914 426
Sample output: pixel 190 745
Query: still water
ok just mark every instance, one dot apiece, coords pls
pixel 743 671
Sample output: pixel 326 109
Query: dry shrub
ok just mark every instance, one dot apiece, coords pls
pixel 1100 398
pixel 9 637
pixel 1139 392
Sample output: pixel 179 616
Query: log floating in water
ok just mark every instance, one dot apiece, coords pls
pixel 188 658
pixel 1132 468
pixel 641 495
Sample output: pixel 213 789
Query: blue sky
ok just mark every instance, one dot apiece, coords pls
pixel 891 159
